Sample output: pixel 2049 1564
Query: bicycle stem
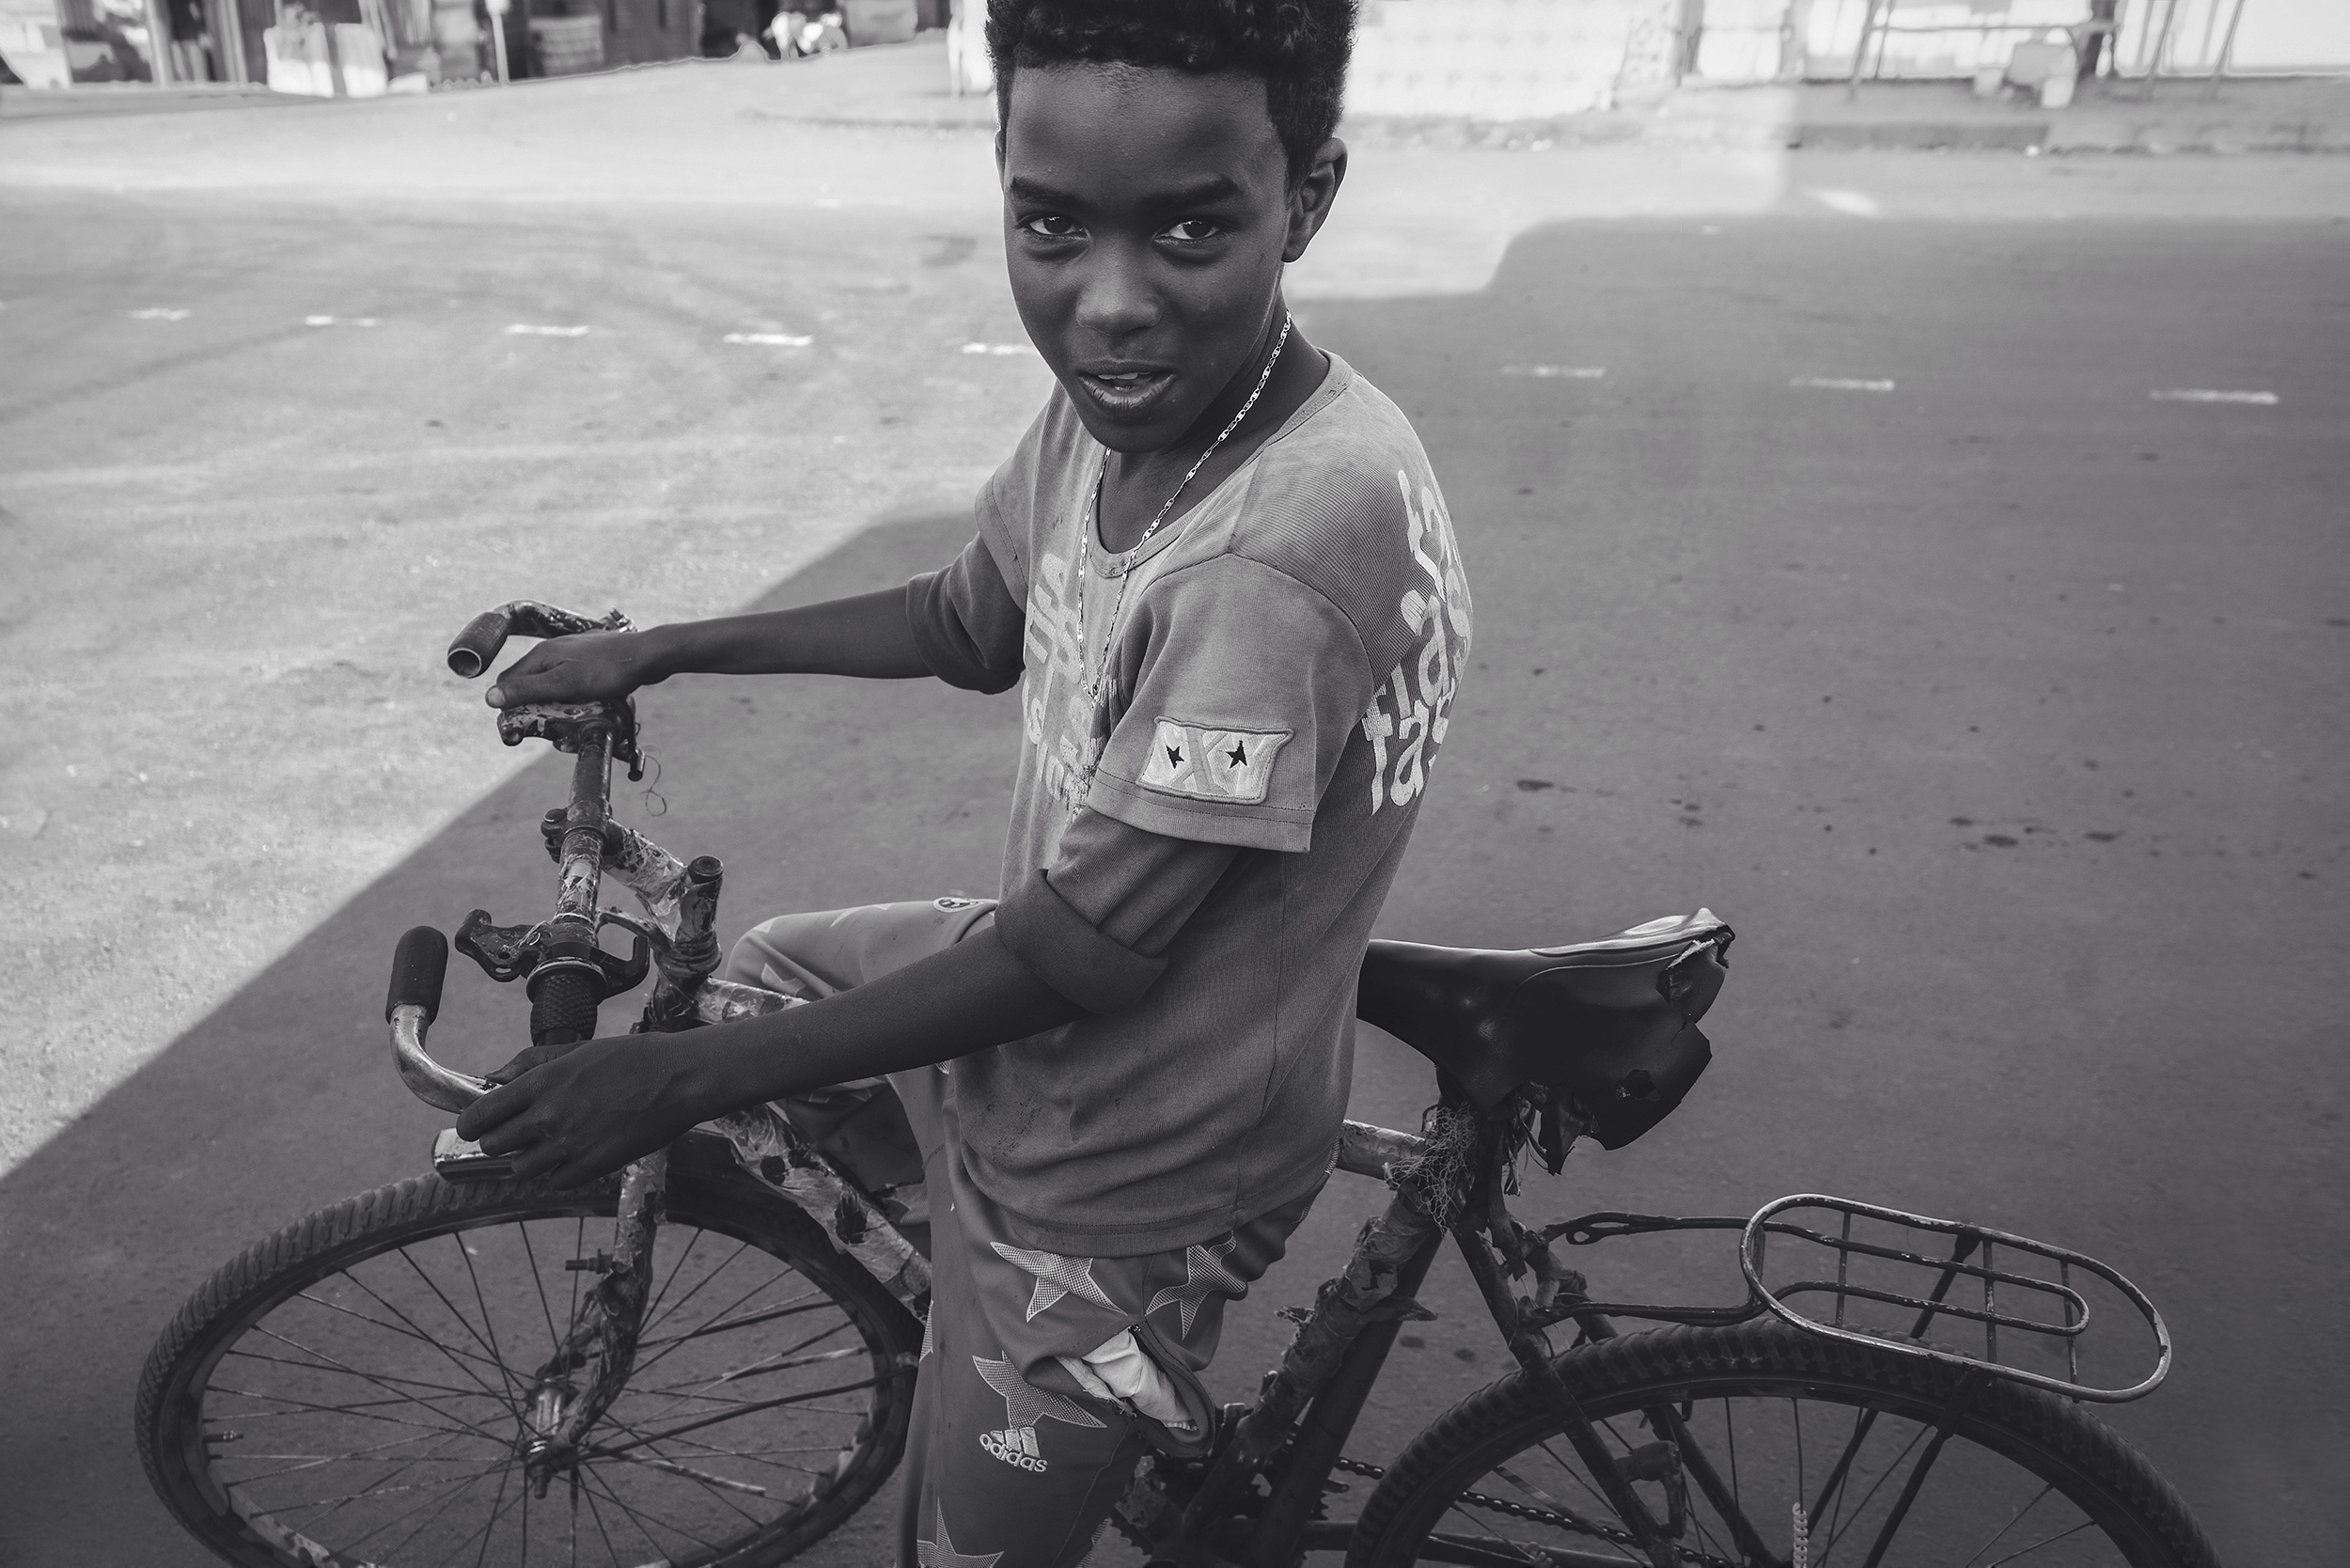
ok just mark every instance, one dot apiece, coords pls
pixel 566 985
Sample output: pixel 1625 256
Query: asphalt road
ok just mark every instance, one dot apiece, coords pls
pixel 1867 595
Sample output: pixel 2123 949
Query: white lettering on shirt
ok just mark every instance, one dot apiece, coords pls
pixel 1412 707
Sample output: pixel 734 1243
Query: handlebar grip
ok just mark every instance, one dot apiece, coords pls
pixel 418 968
pixel 470 653
pixel 563 1007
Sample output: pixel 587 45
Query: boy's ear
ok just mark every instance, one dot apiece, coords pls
pixel 1311 197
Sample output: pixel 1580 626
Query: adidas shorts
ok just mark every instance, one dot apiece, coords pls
pixel 1043 1378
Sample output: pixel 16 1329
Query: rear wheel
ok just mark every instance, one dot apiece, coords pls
pixel 353 1389
pixel 1769 1420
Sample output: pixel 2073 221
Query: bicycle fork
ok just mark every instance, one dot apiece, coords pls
pixel 603 1334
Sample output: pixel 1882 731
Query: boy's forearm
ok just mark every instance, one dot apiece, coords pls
pixel 866 636
pixel 970 997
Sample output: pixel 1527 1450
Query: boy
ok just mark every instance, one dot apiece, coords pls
pixel 1220 571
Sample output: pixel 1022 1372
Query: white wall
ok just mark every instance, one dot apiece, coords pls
pixel 2274 36
pixel 1741 40
pixel 1509 59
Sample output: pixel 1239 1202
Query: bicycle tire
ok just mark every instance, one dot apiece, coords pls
pixel 1451 1492
pixel 791 1300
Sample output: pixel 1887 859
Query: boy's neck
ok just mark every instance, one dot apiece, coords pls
pixel 1135 485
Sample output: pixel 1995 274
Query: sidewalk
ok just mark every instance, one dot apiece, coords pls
pixel 906 86
pixel 2282 114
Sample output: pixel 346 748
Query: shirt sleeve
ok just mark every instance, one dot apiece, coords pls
pixel 1245 683
pixel 1096 925
pixel 966 622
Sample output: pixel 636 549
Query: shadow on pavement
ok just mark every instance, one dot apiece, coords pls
pixel 817 793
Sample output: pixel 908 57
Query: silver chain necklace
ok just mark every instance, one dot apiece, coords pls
pixel 1085 534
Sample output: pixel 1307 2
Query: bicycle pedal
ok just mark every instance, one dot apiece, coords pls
pixel 459 1159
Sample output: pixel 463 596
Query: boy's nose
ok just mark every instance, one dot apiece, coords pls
pixel 1117 299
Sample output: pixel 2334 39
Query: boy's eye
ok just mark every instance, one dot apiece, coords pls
pixel 1052 226
pixel 1193 231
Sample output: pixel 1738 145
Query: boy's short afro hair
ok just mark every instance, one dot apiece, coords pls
pixel 1299 47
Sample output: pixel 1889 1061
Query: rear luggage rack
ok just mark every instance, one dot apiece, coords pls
pixel 1973 1257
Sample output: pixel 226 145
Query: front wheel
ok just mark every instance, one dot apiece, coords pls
pixel 1773 1426
pixel 354 1388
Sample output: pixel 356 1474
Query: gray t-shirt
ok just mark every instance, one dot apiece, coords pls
pixel 1282 669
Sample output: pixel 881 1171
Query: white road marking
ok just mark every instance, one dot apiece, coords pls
pixel 1557 372
pixel 158 313
pixel 523 329
pixel 2209 395
pixel 998 348
pixel 1842 383
pixel 338 321
pixel 770 339
pixel 1853 204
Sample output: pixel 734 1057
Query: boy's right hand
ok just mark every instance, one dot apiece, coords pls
pixel 592 666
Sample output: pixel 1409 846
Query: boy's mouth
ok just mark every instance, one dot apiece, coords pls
pixel 1126 393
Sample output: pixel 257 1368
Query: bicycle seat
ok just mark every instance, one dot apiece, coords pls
pixel 1613 1021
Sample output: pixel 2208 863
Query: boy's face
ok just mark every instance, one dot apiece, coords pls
pixel 1147 215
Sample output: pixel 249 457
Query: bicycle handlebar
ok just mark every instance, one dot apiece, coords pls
pixel 473 649
pixel 418 969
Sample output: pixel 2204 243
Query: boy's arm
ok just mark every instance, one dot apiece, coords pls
pixel 581 1111
pixel 1088 939
pixel 964 625
pixel 866 635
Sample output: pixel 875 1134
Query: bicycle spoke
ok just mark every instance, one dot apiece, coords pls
pixel 497 1355
pixel 363 1411
pixel 325 1366
pixel 1910 1489
pixel 670 1345
pixel 380 1383
pixel 506 1473
pixel 768 1366
pixel 432 1339
pixel 2014 1519
pixel 312 1460
pixel 813 1301
pixel 379 1322
pixel 654 1321
pixel 1822 1553
pixel 382 1491
pixel 611 1552
pixel 538 1284
pixel 652 1305
pixel 746 1409
pixel 717 1484
pixel 614 1498
pixel 2049 1542
pixel 432 1285
pixel 438 1505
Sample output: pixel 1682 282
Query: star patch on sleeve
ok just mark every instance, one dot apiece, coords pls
pixel 1234 765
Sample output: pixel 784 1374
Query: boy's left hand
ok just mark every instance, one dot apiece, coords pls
pixel 573 1113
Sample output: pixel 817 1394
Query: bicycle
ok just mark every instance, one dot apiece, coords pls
pixel 390 1380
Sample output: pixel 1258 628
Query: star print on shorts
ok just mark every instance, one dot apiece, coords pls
pixel 1056 1277
pixel 1025 1404
pixel 941 1553
pixel 1205 1267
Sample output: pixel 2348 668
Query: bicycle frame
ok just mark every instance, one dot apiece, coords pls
pixel 1447 1184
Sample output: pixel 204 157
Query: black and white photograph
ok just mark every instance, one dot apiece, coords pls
pixel 719 715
